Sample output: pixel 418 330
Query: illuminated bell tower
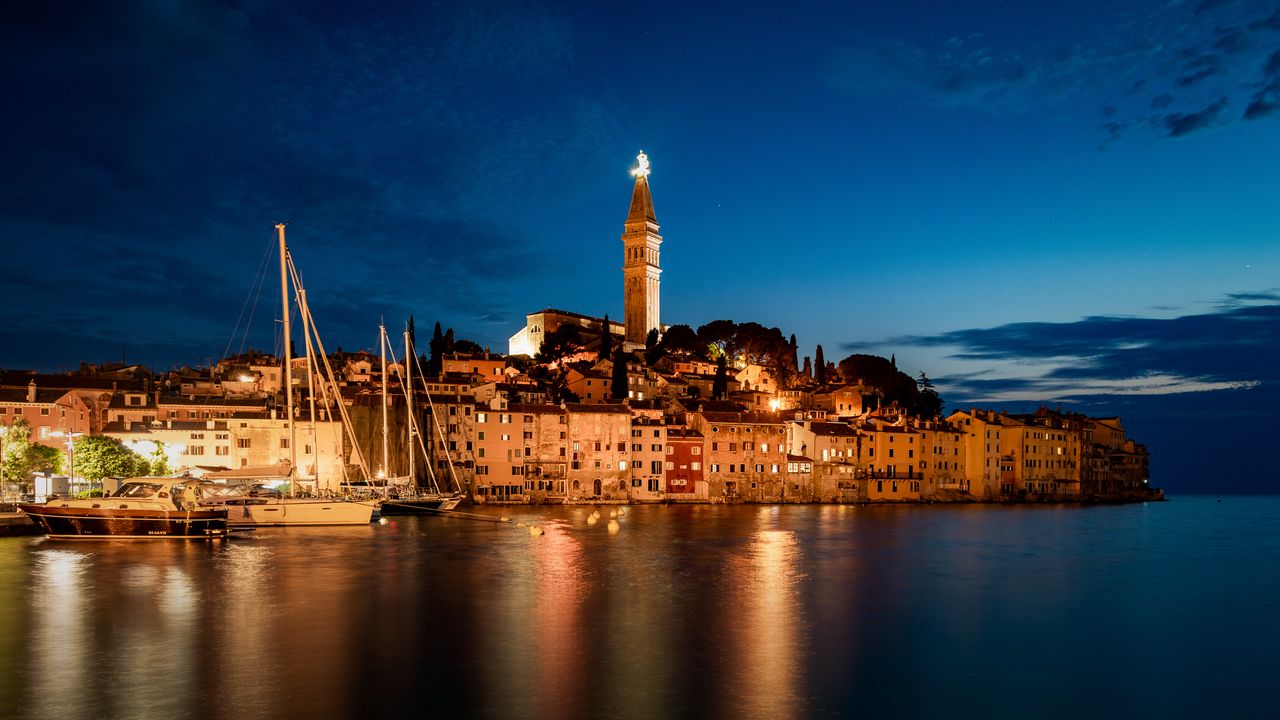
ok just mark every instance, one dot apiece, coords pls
pixel 640 271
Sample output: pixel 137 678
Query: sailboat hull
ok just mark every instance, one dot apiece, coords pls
pixel 418 506
pixel 287 512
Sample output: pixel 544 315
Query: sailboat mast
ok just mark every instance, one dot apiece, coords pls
pixel 288 365
pixel 386 456
pixel 311 386
pixel 408 391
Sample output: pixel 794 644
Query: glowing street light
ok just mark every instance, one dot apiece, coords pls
pixel 71 452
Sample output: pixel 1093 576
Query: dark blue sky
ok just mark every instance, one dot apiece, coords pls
pixel 1062 201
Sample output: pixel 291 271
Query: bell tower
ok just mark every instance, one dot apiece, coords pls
pixel 640 270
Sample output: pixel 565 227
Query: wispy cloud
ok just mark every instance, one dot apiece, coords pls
pixel 1191 63
pixel 1233 347
pixel 1180 124
pixel 1266 99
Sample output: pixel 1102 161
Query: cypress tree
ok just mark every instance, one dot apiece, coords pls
pixel 618 386
pixel 606 340
pixel 436 347
pixel 819 367
pixel 720 386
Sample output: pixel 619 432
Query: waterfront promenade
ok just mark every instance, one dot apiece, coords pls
pixel 16 523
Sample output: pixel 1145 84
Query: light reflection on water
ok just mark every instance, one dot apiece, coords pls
pixel 688 611
pixel 60 600
pixel 767 624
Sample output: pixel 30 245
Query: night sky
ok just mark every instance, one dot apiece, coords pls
pixel 1062 202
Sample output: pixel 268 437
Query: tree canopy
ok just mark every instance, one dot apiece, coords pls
pixel 564 340
pixel 99 456
pixel 892 385
pixel 682 340
pixel 21 457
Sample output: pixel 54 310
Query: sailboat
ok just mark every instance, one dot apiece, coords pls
pixel 250 504
pixel 410 497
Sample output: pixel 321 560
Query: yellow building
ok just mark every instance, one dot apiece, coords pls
pixel 892 459
pixel 982 451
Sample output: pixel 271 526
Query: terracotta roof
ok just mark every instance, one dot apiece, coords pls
pixel 18 378
pixel 598 409
pixel 675 433
pixel 208 400
pixel 741 418
pixel 44 396
pixel 536 408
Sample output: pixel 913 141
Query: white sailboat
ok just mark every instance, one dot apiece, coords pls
pixel 250 504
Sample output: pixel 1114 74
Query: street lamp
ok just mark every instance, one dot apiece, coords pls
pixel 71 452
pixel 4 489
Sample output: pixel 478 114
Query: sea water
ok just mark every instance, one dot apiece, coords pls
pixel 1147 610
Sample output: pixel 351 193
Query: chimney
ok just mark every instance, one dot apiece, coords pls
pixel 31 391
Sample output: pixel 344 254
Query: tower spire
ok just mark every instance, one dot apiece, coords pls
pixel 640 269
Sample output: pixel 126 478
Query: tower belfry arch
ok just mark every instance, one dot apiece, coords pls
pixel 640 269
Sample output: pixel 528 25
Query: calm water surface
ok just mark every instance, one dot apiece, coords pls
pixel 1157 610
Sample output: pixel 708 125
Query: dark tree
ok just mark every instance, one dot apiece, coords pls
pixel 928 402
pixel 819 367
pixel 808 368
pixel 436 347
pixel 721 334
pixel 720 386
pixel 606 340
pixel 652 349
pixel 618 384
pixel 467 347
pixel 682 340
pixel 448 341
pixel 564 340
pixel 890 385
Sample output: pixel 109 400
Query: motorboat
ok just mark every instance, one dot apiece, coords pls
pixel 142 509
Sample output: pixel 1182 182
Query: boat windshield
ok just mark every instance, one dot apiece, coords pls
pixel 138 490
pixel 229 491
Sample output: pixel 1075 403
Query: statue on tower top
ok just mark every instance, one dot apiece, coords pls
pixel 641 169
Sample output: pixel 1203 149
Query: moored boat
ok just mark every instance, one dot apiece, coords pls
pixel 143 509
pixel 425 502
pixel 252 506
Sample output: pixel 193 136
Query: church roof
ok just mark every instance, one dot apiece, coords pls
pixel 641 203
